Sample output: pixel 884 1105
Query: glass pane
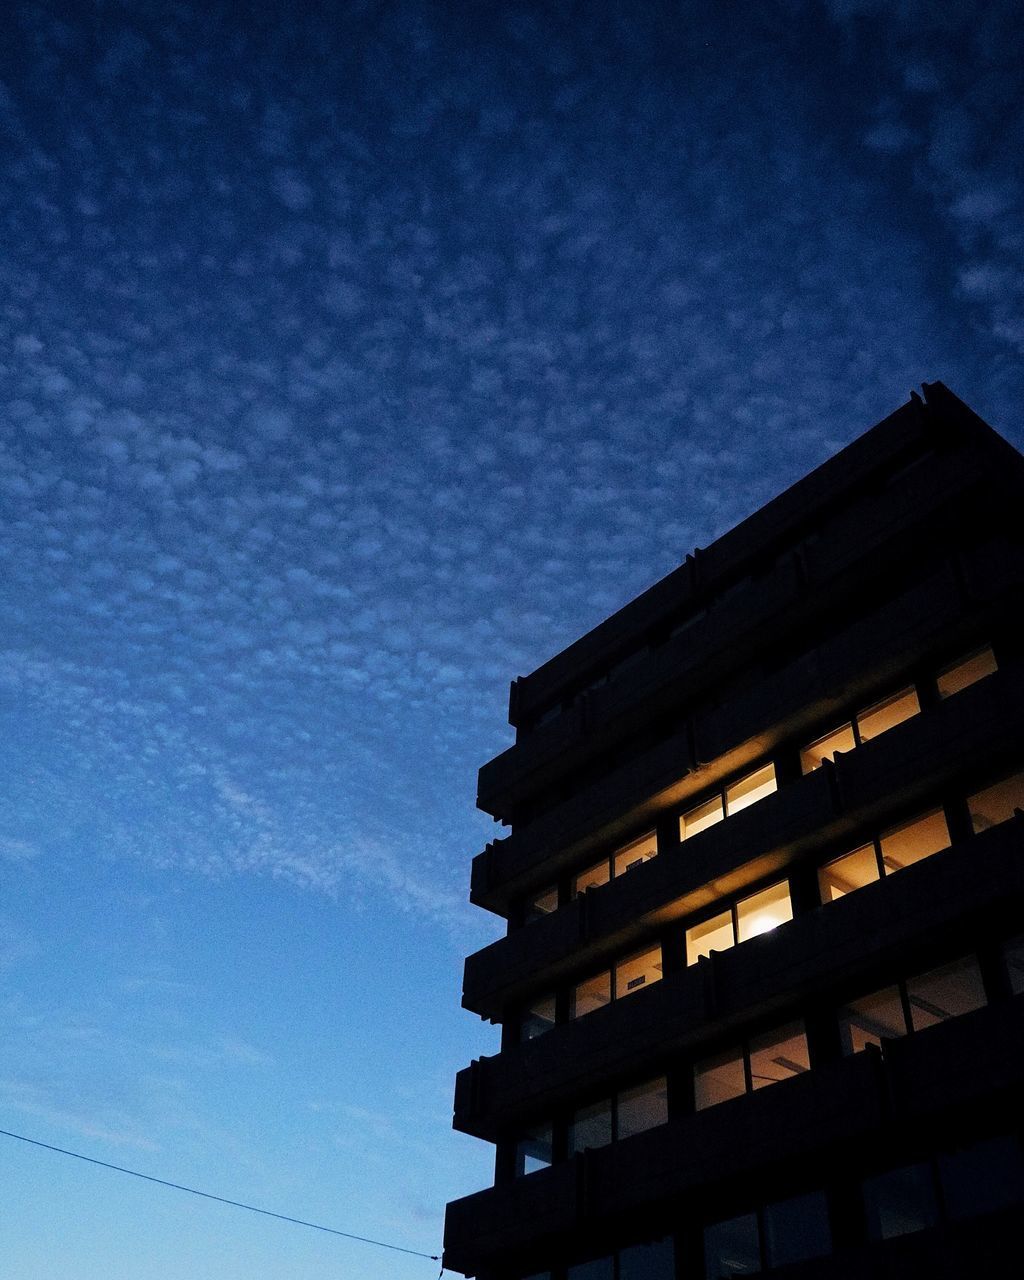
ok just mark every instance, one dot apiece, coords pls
pixel 538 1018
pixel 596 875
pixel 763 911
pixel 888 714
pixel 637 971
pixel 779 1055
pixel 705 815
pixel 996 803
pixel 914 841
pixel 755 786
pixel 719 1078
pixel 966 672
pixel 642 1108
pixel 872 1019
pixel 596 1269
pixel 1014 953
pixel 593 994
pixel 634 854
pixel 943 993
pixel 732 1248
pixel 982 1178
pixel 710 935
pixel 900 1201
pixel 825 748
pixel 543 904
pixel 592 1126
pixel 655 1261
pixel 797 1229
pixel 852 871
pixel 533 1150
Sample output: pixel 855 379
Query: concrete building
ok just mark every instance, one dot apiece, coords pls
pixel 762 989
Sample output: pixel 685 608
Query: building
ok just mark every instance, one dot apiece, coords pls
pixel 762 989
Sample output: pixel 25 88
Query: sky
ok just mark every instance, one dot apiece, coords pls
pixel 354 359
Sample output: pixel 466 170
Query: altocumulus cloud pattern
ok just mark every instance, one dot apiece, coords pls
pixel 357 357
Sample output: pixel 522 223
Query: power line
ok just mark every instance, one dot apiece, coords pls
pixel 207 1195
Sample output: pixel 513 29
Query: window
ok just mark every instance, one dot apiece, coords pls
pixel 732 1248
pixel 758 913
pixel 1013 953
pixel 595 1269
pixel 997 803
pixel 780 1233
pixel 538 1018
pixel 622 860
pixel 626 1113
pixel 982 1178
pixel 764 1060
pixel 534 1150
pixel 921 1001
pixel 895 849
pixel 966 671
pixel 900 1201
pixel 738 795
pixel 633 855
pixel 651 1261
pixel 796 1229
pixel 631 974
pixel 865 725
pixel 542 904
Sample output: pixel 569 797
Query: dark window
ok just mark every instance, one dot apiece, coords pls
pixel 647 1261
pixel 596 1269
pixel 982 1178
pixel 732 1248
pixel 1014 953
pixel 797 1229
pixel 900 1201
pixel 534 1150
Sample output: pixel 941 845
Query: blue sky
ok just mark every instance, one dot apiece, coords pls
pixel 354 359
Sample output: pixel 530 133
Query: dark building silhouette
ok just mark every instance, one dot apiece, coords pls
pixel 762 991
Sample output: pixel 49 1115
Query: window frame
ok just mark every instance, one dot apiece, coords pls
pixel 732 909
pixel 853 721
pixel 613 983
pixel 719 794
pixel 742 1047
pixel 874 843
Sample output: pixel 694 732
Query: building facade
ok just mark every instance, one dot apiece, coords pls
pixel 762 989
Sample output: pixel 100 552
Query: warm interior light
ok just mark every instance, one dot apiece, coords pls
pixel 765 922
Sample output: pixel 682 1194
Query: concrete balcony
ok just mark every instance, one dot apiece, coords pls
pixel 917 760
pixel 961 598
pixel 971 890
pixel 861 1111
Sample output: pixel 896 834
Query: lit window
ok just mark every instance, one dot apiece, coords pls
pixel 852 871
pixel 593 994
pixel 634 854
pixel 594 876
pixel 1013 951
pixel 719 1078
pixel 997 803
pixel 642 1108
pixel 715 934
pixel 534 1150
pixel 864 726
pixel 732 1248
pixel 968 671
pixel 779 1055
pixel 797 1229
pixel 538 1018
pixel 945 993
pixel 637 971
pixel 592 1126
pixel 764 911
pixel 542 904
pixel 913 841
pixel 887 714
pixel 826 748
pixel 900 1201
pixel 872 1019
pixel 755 786
pixel 699 819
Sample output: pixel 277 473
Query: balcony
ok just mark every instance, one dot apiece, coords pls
pixel 973 888
pixel 863 1108
pixel 950 602
pixel 856 550
pixel 915 760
